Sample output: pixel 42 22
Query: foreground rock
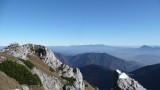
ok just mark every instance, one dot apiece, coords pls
pixel 124 82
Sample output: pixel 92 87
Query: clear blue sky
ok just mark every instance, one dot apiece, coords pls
pixel 73 22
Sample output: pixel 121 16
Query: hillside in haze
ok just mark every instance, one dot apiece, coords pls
pixel 145 54
pixel 101 59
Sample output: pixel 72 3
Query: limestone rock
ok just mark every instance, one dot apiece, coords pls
pixel 124 82
pixel 49 82
pixel 25 87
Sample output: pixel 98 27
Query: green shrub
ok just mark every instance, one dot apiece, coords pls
pixel 75 70
pixel 20 73
pixel 86 85
pixel 60 68
pixel 51 69
pixel 28 64
pixel 70 80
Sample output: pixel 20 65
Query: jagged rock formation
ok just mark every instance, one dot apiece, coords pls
pixel 124 82
pixel 53 74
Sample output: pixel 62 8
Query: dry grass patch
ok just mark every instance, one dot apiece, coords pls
pixel 7 56
pixel 88 86
pixel 7 83
pixel 42 66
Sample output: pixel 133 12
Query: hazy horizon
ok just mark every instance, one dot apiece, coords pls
pixel 129 46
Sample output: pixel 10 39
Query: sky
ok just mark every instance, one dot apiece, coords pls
pixel 80 22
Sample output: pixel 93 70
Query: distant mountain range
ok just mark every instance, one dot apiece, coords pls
pixel 147 55
pixel 101 59
pixel 126 53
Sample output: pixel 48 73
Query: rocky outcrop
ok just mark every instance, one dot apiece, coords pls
pixel 49 82
pixel 17 50
pixel 68 78
pixel 124 82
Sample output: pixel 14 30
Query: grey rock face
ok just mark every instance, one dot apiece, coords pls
pixel 49 82
pixel 25 87
pixel 2 58
pixel 17 50
pixel 124 82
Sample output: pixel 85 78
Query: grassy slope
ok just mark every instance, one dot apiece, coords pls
pixel 7 83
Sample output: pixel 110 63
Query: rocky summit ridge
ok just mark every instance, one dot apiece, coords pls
pixel 53 74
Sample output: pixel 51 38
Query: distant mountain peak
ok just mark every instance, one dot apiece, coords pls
pixel 146 47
